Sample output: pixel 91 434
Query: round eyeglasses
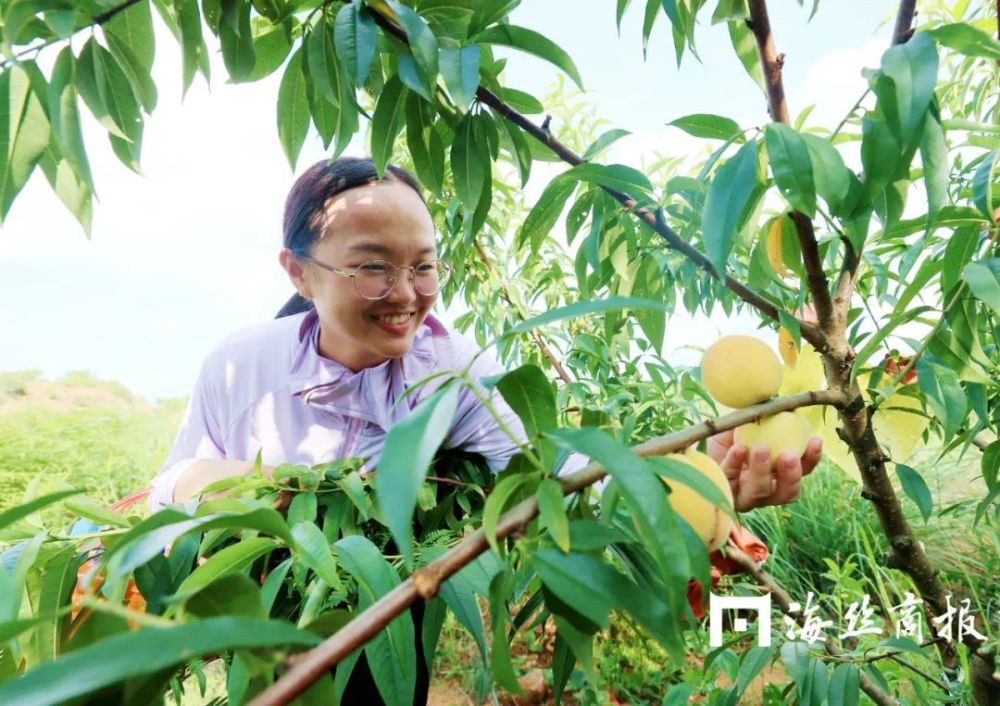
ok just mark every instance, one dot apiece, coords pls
pixel 374 279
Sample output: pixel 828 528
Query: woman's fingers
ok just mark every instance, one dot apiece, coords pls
pixel 814 451
pixel 732 462
pixel 758 483
pixel 788 474
pixel 719 445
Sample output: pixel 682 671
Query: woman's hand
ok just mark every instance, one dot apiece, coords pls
pixel 753 481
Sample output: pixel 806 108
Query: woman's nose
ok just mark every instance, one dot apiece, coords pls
pixel 405 287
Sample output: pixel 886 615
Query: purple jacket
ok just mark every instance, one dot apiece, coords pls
pixel 266 388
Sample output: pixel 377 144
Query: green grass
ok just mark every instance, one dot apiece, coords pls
pixel 111 451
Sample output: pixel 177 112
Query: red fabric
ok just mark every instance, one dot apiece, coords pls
pixel 722 565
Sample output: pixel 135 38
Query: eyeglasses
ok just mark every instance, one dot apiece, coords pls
pixel 374 279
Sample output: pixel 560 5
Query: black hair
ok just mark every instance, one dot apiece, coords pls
pixel 306 205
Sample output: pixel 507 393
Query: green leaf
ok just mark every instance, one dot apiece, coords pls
pixel 912 67
pixel 293 109
pixel 355 36
pixel 916 489
pixel 580 581
pixel 585 307
pixel 424 144
pixel 496 503
pixel 529 393
pixel 934 157
pixel 133 654
pixel 983 278
pixel 423 44
pixel 49 588
pixel 24 129
pixel 880 154
pixel 460 70
pixel 982 185
pixel 618 177
pixel 232 595
pixel 409 449
pixel 754 660
pixel 552 512
pixel 232 559
pixel 605 140
pixel 65 117
pixel 727 200
pixel 991 464
pixel 500 660
pixel 486 12
pixel 959 250
pixel 707 125
pixel 520 101
pixel 311 546
pixel 18 512
pixel 391 654
pixel 745 47
pixel 460 592
pixel 945 394
pixel 270 47
pixel 133 27
pixel 521 149
pixel 542 217
pixel 533 43
pixel 387 121
pixel 646 496
pixel 468 164
pixel 845 686
pixel 87 508
pixel 830 174
pixel 792 167
pixel 236 39
pixel 730 10
pixel 138 76
pixel 195 55
pixel 967 39
pixel 321 62
pixel 148 538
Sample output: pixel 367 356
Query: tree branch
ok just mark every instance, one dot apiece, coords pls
pixel 305 668
pixel 904 21
pixel 487 97
pixel 95 20
pixel 773 62
pixel 784 601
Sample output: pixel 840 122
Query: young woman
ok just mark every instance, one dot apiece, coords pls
pixel 319 383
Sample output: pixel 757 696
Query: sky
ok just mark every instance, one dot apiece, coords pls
pixel 186 253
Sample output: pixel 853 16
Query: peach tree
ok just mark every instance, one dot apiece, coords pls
pixel 870 246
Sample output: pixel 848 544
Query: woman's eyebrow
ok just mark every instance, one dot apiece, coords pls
pixel 383 250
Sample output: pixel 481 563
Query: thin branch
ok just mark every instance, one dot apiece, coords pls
pixel 307 667
pixel 784 601
pixel 487 97
pixel 535 335
pixel 904 21
pixel 95 20
pixel 773 62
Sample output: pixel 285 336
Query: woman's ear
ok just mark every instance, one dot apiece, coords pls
pixel 296 273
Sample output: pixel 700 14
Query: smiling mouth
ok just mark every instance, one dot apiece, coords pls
pixel 394 319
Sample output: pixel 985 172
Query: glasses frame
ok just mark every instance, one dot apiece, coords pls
pixel 395 278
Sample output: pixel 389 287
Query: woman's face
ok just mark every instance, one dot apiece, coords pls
pixel 385 220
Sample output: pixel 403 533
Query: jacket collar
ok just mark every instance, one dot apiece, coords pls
pixel 368 393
